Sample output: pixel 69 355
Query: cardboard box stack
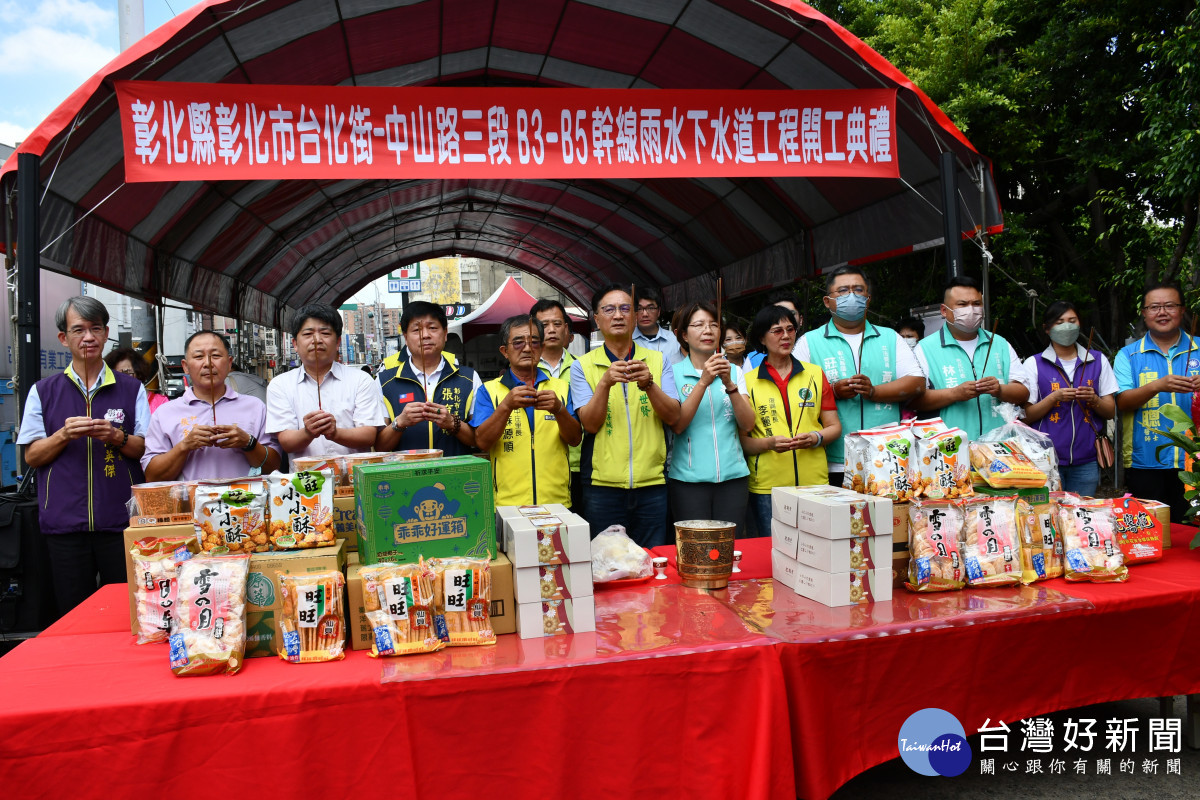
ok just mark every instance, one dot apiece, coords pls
pixel 551 552
pixel 832 545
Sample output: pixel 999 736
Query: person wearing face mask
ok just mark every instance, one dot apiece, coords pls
pixel 1071 397
pixel 733 342
pixel 911 330
pixel 872 373
pixel 1160 368
pixel 964 388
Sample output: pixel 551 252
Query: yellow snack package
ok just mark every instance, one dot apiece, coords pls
pixel 231 517
pixel 463 593
pixel 877 462
pixel 312 620
pixel 1003 465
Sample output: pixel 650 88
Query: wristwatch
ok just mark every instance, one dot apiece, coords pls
pixel 253 443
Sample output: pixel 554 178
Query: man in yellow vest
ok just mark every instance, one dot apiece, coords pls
pixel 556 362
pixel 626 398
pixel 524 420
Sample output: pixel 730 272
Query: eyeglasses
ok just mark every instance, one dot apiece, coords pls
pixel 704 326
pixel 1170 308
pixel 609 311
pixel 647 309
pixel 842 291
pixel 777 332
pixel 79 331
pixel 521 344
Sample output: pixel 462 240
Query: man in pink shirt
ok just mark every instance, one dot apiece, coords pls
pixel 211 431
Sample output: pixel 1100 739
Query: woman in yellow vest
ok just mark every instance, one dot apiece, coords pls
pixel 524 420
pixel 795 414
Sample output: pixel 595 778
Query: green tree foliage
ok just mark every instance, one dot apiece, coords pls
pixel 1088 111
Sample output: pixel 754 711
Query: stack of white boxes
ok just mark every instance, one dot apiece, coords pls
pixel 832 545
pixel 551 552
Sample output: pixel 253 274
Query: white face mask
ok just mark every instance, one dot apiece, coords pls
pixel 968 318
pixel 911 341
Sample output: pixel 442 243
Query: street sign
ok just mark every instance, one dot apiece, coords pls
pixel 412 271
pixel 403 285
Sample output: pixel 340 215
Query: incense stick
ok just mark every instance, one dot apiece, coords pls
pixel 720 322
pixel 988 354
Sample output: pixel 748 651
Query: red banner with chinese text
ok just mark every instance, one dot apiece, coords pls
pixel 207 131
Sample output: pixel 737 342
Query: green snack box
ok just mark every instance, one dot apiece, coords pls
pixel 437 508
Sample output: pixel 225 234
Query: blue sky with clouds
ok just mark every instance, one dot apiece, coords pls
pixel 49 47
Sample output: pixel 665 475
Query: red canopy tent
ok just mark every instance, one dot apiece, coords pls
pixel 507 301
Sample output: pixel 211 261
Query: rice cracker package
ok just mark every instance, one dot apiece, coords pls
pixel 1139 533
pixel 991 541
pixel 877 462
pixel 940 466
pixel 1041 545
pixel 154 566
pixel 398 601
pixel 1090 539
pixel 301 509
pixel 231 517
pixel 312 621
pixel 462 591
pixel 924 428
pixel 1003 465
pixel 935 559
pixel 208 631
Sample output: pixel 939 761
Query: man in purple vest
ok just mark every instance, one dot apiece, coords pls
pixel 84 430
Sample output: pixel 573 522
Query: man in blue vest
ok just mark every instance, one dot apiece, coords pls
pixel 969 371
pixel 84 430
pixel 1160 368
pixel 428 397
pixel 870 371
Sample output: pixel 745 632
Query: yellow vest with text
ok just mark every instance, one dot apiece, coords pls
pixel 806 467
pixel 629 450
pixel 529 470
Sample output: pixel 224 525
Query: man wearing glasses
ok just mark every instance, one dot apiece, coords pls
pixel 1160 368
pixel 649 333
pixel 524 421
pixel 870 371
pixel 624 395
pixel 84 430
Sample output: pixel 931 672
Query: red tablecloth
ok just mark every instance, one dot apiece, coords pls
pixel 672 697
pixel 848 698
pixel 106 611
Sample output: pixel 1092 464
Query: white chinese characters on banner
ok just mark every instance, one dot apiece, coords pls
pixel 231 129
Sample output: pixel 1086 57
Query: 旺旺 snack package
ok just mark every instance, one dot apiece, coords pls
pixel 935 558
pixel 1089 535
pixel 878 462
pixel 991 541
pixel 940 466
pixel 231 517
pixel 399 604
pixel 462 593
pixel 154 565
pixel 301 508
pixel 312 620
pixel 1003 465
pixel 1041 545
pixel 208 631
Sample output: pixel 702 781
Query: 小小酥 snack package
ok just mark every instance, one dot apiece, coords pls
pixel 301 509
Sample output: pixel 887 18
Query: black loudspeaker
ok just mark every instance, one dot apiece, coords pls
pixel 27 603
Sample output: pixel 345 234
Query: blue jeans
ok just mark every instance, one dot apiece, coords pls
pixel 642 512
pixel 760 510
pixel 1082 479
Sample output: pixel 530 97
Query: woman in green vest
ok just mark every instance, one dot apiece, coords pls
pixel 795 414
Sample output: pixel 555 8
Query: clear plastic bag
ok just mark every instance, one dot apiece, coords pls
pixel 934 533
pixel 155 569
pixel 1038 446
pixel 312 621
pixel 208 631
pixel 615 557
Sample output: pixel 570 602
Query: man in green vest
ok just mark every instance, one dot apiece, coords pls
pixel 625 397
pixel 523 420
pixel 556 362
pixel 872 373
pixel 969 371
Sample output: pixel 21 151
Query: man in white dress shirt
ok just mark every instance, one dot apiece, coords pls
pixel 344 414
